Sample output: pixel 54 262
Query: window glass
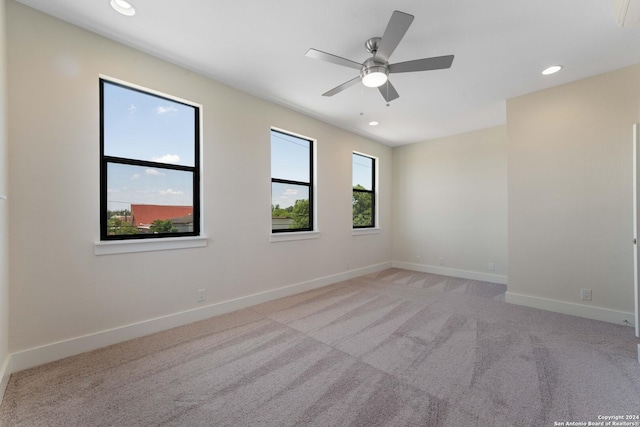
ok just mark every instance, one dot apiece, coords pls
pixel 147 127
pixel 290 157
pixel 290 206
pixel 140 184
pixel 362 171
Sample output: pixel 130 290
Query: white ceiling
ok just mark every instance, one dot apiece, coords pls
pixel 259 46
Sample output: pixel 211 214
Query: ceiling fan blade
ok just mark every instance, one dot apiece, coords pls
pixel 342 87
pixel 395 31
pixel 324 56
pixel 426 64
pixel 388 92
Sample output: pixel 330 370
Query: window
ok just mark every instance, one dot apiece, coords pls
pixel 364 191
pixel 291 183
pixel 149 164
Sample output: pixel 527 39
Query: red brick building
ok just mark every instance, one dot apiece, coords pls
pixel 144 215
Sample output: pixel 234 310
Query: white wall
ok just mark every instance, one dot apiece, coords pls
pixel 4 213
pixel 59 289
pixel 570 196
pixel 450 201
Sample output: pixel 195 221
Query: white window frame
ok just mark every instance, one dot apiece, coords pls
pixel 110 247
pixel 299 235
pixel 376 208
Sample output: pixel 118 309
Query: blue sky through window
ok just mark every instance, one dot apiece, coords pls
pixel 149 186
pixel 362 171
pixel 146 127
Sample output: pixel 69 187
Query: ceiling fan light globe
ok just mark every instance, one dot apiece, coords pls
pixel 374 79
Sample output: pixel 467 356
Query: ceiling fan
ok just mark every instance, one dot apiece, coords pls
pixel 374 71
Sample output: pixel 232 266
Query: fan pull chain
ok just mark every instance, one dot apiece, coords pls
pixel 387 92
pixel 387 97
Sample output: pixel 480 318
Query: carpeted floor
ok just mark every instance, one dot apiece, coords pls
pixel 396 348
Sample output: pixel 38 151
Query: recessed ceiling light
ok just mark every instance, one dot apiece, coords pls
pixel 373 123
pixel 551 70
pixel 123 7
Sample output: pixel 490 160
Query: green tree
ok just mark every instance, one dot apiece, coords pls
pixel 300 214
pixel 163 226
pixel 278 212
pixel 362 207
pixel 117 227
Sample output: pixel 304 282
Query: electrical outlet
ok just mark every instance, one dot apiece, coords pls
pixel 491 267
pixel 418 259
pixel 585 294
pixel 202 295
pixel 441 261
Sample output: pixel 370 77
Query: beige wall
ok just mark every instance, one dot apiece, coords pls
pixel 570 195
pixel 450 201
pixel 4 212
pixel 59 288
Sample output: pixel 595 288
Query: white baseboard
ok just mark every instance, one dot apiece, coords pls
pixel 5 373
pixel 58 350
pixel 587 311
pixel 452 272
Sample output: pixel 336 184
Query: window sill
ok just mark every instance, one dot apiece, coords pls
pixel 363 231
pixel 288 237
pixel 130 246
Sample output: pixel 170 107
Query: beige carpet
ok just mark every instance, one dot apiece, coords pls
pixel 396 348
